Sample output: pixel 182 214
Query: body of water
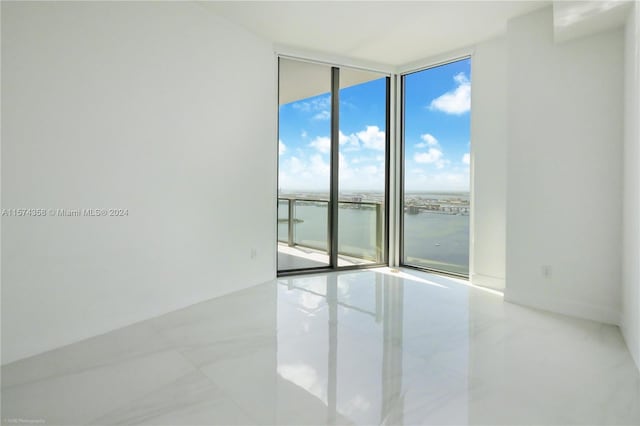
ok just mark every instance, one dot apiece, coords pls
pixel 433 240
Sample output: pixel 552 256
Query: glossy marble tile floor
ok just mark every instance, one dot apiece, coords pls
pixel 367 347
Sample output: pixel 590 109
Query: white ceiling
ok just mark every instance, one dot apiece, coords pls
pixel 387 32
pixel 573 19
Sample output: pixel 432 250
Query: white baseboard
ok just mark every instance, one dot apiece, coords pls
pixel 482 280
pixel 574 309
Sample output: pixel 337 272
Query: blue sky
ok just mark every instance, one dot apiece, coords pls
pixel 437 107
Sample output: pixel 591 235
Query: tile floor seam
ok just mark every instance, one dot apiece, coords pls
pixel 228 395
pixel 86 369
pixel 153 391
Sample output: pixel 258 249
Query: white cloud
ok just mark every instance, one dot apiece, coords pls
pixel 355 174
pixel 303 134
pixel 351 140
pixel 321 143
pixel 466 158
pixel 299 173
pixel 318 104
pixel 322 115
pixel 457 101
pixel 370 170
pixel 319 168
pixel 312 172
pixel 372 138
pixel 432 156
pixel 281 147
pixel 437 180
pixel 429 139
pixel 309 168
pixel 302 106
pixel 343 165
pixel 295 165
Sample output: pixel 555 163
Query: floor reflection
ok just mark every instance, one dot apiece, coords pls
pixel 360 376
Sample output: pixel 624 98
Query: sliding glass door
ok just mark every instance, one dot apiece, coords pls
pixel 304 148
pixel 332 167
pixel 436 168
pixel 362 172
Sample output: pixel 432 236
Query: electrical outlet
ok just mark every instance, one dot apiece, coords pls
pixel 546 271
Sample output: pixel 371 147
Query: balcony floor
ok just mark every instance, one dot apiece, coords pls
pixel 299 257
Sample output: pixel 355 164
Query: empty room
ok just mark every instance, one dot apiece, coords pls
pixel 320 212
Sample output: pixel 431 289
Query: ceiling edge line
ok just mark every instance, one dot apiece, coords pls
pixel 332 59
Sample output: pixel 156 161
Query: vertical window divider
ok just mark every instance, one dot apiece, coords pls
pixel 401 169
pixel 394 173
pixel 387 178
pixel 335 166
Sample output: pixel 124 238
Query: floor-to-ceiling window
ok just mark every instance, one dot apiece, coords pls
pixel 436 168
pixel 332 166
pixel 304 148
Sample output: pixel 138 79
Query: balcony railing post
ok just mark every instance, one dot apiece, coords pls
pixel 290 222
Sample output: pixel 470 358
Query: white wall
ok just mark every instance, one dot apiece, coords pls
pixel 630 323
pixel 160 108
pixel 489 153
pixel 564 162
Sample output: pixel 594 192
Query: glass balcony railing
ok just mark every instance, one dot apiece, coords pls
pixel 305 223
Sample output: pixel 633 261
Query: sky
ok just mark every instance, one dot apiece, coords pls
pixel 437 104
